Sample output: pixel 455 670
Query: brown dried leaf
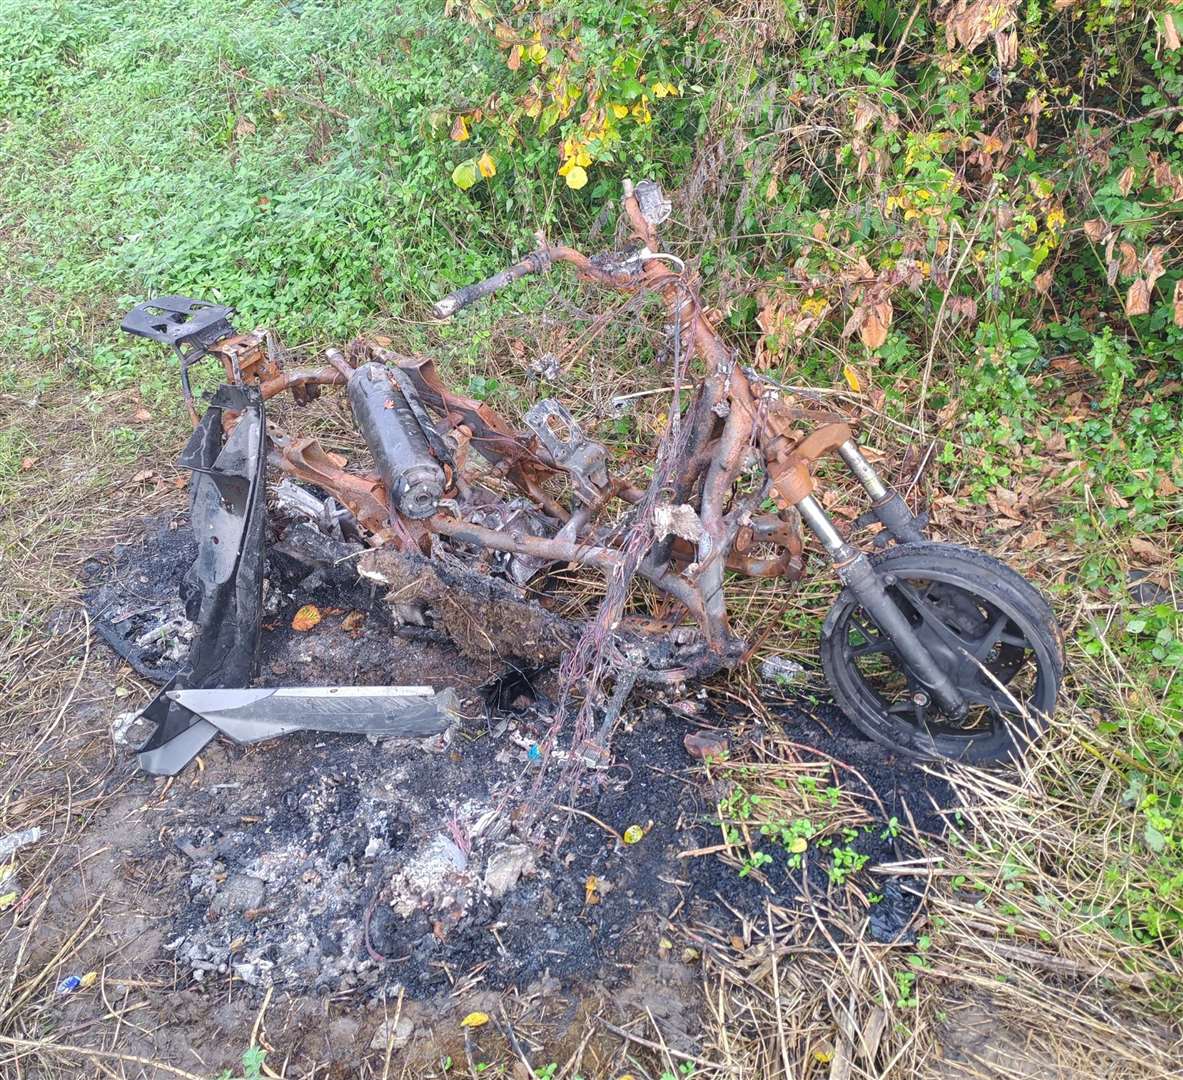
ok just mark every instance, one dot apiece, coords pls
pixel 514 60
pixel 353 621
pixel 27 463
pixel 1043 281
pixel 873 332
pixel 1152 267
pixel 1179 302
pixel 1129 259
pixel 243 127
pixel 143 476
pixel 1095 229
pixel 1137 299
pixel 1170 32
pixel 141 415
pixel 1126 180
pixel 970 23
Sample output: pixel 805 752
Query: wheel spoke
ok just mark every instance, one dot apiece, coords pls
pixel 931 618
pixel 981 648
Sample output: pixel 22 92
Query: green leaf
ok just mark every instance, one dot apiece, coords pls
pixel 464 175
pixel 1154 839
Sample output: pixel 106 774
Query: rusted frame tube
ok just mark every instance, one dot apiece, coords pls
pixel 286 380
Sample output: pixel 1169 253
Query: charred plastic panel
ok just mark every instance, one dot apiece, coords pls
pixel 223 590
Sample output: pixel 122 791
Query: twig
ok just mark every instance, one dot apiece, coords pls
pixel 658 1047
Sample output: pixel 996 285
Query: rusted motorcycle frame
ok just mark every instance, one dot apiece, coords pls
pixel 439 455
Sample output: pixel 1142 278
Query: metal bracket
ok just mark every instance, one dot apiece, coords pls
pixel 562 438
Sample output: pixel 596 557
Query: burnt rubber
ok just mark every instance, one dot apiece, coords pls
pixel 973 612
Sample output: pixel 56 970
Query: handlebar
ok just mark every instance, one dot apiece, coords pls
pixel 533 263
pixel 645 206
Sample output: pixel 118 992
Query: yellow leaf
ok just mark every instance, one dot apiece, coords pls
pixel 798 845
pixel 306 618
pixel 475 1019
pixel 583 159
pixel 537 52
pixel 89 979
pixel 7 900
pixel 486 166
pixel 460 130
pixel 591 890
pixel 633 834
pixel 576 177
pixel 619 111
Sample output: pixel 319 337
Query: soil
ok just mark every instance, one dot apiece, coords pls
pixel 329 871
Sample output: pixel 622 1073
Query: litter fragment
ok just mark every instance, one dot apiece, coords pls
pixel 780 670
pixel 69 984
pixel 14 841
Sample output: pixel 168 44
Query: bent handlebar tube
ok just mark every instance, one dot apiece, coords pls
pixel 533 263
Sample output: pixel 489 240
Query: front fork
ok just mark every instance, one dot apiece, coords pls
pixel 856 573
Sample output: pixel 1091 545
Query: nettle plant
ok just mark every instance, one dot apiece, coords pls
pixel 584 85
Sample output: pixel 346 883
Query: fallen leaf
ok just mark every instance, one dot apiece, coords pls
pixel 28 462
pixel 873 332
pixel 591 890
pixel 475 1019
pixel 306 618
pixel 7 900
pixel 633 834
pixel 1137 299
pixel 244 126
pixel 798 844
pixel 89 979
pixel 141 415
pixel 353 621
pixel 143 475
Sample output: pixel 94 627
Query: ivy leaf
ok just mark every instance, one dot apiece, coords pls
pixel 464 175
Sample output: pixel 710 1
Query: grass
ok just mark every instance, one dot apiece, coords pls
pixel 294 159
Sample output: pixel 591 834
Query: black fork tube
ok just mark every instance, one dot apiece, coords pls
pixel 858 575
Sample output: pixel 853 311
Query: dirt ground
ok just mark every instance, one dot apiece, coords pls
pixel 335 898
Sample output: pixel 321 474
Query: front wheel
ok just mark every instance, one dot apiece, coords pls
pixel 990 631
